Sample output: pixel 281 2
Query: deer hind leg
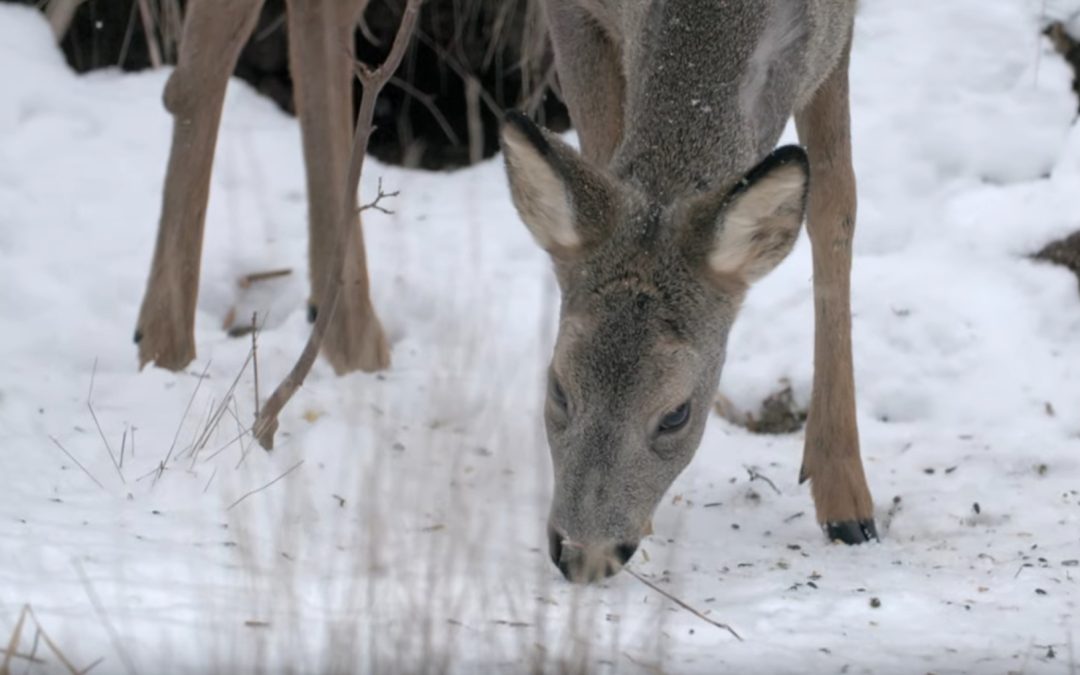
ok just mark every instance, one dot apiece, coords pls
pixel 831 458
pixel 590 76
pixel 321 60
pixel 214 33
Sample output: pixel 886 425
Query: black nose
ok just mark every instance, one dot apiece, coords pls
pixel 624 552
pixel 555 540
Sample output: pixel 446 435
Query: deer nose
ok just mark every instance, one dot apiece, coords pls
pixel 580 564
pixel 625 551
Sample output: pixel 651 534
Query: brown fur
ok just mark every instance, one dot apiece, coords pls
pixel 831 459
pixel 320 45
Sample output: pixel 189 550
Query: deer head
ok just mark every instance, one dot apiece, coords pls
pixel 649 294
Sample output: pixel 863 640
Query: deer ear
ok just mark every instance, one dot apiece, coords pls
pixel 566 203
pixel 759 221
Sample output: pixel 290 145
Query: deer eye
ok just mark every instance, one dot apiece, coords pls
pixel 675 420
pixel 557 393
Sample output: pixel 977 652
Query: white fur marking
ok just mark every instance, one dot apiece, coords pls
pixel 770 208
pixel 540 196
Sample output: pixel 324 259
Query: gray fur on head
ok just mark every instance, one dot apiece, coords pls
pixel 654 251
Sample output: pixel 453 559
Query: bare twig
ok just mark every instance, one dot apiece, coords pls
pixel 255 358
pixel 754 475
pixel 292 468
pixel 90 406
pixel 373 82
pixel 151 37
pixel 248 279
pixel 680 603
pixel 77 463
pixel 374 203
pixel 114 637
pixel 428 102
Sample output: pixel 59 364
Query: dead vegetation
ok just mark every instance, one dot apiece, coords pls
pixel 779 413
pixel 467 62
pixel 1069 47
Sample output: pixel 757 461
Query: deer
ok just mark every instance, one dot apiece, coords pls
pixel 321 60
pixel 676 203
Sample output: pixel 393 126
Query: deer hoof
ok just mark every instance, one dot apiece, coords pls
pixel 852 531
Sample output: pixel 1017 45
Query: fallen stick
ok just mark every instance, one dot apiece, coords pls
pixel 680 603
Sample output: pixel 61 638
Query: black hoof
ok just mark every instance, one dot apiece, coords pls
pixel 852 531
pixel 312 313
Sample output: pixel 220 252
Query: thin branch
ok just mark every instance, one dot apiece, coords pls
pixel 428 101
pixel 77 463
pixel 680 603
pixel 373 82
pixel 292 468
pixel 148 32
pixel 374 203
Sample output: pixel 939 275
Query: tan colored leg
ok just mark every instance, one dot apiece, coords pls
pixel 831 458
pixel 214 33
pixel 320 55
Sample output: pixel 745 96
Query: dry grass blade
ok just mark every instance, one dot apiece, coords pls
pixel 77 462
pixel 90 406
pixel 292 468
pixel 183 418
pixel 11 651
pixel 681 603
pixel 13 643
pixel 373 82
pixel 223 407
pixel 255 358
pixel 114 637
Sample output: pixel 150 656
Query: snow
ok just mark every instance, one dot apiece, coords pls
pixel 408 530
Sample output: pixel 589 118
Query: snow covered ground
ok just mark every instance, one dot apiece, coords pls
pixel 407 531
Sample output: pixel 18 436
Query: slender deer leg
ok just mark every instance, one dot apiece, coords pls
pixel 214 33
pixel 831 458
pixel 320 54
pixel 590 78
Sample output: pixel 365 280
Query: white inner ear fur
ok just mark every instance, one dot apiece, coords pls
pixel 761 224
pixel 539 194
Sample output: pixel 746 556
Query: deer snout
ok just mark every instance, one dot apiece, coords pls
pixel 583 563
